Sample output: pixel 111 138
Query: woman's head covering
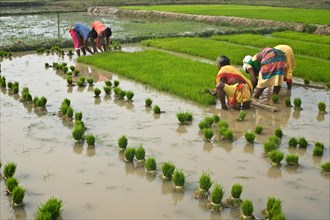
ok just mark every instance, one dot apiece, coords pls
pixel 246 59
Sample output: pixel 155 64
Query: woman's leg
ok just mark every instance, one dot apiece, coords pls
pixel 258 92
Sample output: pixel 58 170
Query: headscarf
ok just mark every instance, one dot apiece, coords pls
pixel 246 59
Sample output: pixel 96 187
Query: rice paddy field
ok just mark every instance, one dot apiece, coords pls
pixel 55 157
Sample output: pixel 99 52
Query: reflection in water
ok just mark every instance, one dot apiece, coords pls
pixel 317 160
pixel 97 100
pixel 129 105
pixel 156 116
pixel 296 114
pixel 140 171
pixel 20 213
pixel 70 89
pixel 167 187
pixel 80 88
pixel 90 88
pixel 28 106
pixel 90 151
pixel 177 196
pixel 274 172
pixel 129 168
pixel 301 151
pixel 119 102
pixel 181 129
pixel 320 117
pixel 40 111
pixel 67 123
pixel 208 146
pixel 78 147
pixel 249 148
pixel 235 213
pixel 148 109
pixel 216 215
pixel 4 90
pixel 291 168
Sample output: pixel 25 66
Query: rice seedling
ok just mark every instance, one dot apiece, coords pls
pixel 35 100
pixel 247 209
pixel 121 94
pixel 108 83
pixel 321 106
pixel 275 98
pixel 156 109
pixel 278 132
pixel 107 89
pixel 258 129
pixel 80 123
pixel 216 198
pixel 81 81
pixel 302 142
pixel 78 132
pixel 167 170
pixel 208 134
pixel 64 109
pixel 148 102
pixel 129 95
pixel 72 68
pixel 116 90
pixel 297 104
pixel 184 117
pixel 76 72
pixel 216 118
pixel 151 165
pixel 319 144
pixel 65 69
pixel 279 216
pixel 249 137
pixel 10 85
pixel 66 101
pixel 90 81
pixel 69 80
pixel 53 206
pixel 242 115
pixel 287 102
pixel 203 125
pixel 292 159
pixel 129 154
pixel 122 142
pixel 275 209
pixel 3 82
pixel 9 170
pixel 178 180
pixel 11 183
pixel 326 166
pixel 70 53
pixel 275 139
pixel 234 200
pixel 269 146
pixel 78 116
pixel 276 157
pixel 318 151
pixel 97 92
pixel 90 139
pixel 205 184
pixel 228 135
pixel 18 195
pixel 306 81
pixel 293 142
pixel 69 113
pixel 140 154
pixel 46 65
pixel 41 102
pixel 115 83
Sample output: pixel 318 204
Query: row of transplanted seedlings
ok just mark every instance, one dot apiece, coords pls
pixel 215 198
pixel 49 210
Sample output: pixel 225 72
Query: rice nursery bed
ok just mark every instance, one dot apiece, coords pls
pixel 97 183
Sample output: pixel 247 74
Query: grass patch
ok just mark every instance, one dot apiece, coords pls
pixel 182 77
pixel 307 16
pixel 315 38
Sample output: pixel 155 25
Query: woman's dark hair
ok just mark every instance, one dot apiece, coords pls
pixel 93 34
pixel 223 60
pixel 108 32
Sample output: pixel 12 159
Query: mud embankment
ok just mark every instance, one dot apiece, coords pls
pixel 215 20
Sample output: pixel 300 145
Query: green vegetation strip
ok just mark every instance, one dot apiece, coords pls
pixel 315 38
pixel 306 16
pixel 307 67
pixel 178 76
pixel 299 47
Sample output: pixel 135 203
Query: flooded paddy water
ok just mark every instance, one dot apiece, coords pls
pixel 96 183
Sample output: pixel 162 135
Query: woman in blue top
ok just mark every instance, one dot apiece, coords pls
pixel 80 35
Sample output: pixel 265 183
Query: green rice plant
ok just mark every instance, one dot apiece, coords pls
pixel 223 124
pixel 279 216
pixel 306 81
pixel 167 170
pixel 242 115
pixel 321 106
pixel 108 83
pixel 321 39
pixel 90 81
pixel 115 83
pixel 148 102
pixel 129 154
pixel 140 154
pixel 116 90
pixel 78 132
pixel 275 98
pixel 247 209
pixel 216 198
pixel 151 165
pixel 107 89
pixel 258 129
pixel 81 81
pixel 90 139
pixel 319 144
pixel 122 142
pixel 3 83
pixel 65 69
pixel 72 68
pixel 42 102
pixel 46 65
pixel 203 124
pixel 287 102
pixel 275 209
pixel 216 118
pixel 278 132
pixel 297 104
pixel 156 109
pixel 97 92
pixel 11 183
pixel 53 206
pixel 228 135
pixel 122 94
pixel 15 89
pixel 208 133
pixel 236 191
pixel 302 142
pixel 269 146
pixel 249 137
pixel 326 166
pixel 69 80
pixel 35 101
pixel 18 195
pixel 276 157
pixel 318 151
pixel 79 123
pixel 209 121
pixel 69 113
pixel 10 85
pixel 293 142
pixel 184 117
pixel 76 72
pixel 178 179
pixel 129 95
pixel 275 139
pixel 205 184
pixel 66 101
pixel 9 170
pixel 64 108
pixel 292 159
pixel 78 116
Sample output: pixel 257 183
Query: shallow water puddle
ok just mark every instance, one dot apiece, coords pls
pixel 97 183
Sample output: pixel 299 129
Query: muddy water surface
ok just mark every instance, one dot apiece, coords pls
pixel 96 183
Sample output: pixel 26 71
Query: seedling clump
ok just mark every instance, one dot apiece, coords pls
pixel 148 102
pixel 228 135
pixel 140 154
pixel 156 109
pixel 216 198
pixel 223 126
pixel 178 180
pixel 250 136
pixel 151 165
pixel 107 89
pixel 205 184
pixel 306 81
pixel 234 200
pixel 52 208
pixel 247 209
pixel 297 104
pixel 129 95
pixel 216 118
pixel 9 170
pixel 292 159
pixel 242 115
pixel 11 183
pixel 276 157
pixel 116 83
pixel 167 170
pixel 108 83
pixel 302 142
pixel 78 116
pixel 69 113
pixel 78 132
pixel 326 166
pixel 322 107
pixel 184 117
pixel 18 195
pixel 293 142
pixel 274 207
pixel 258 129
pixel 287 102
pixel 275 98
pixel 97 92
pixel 278 132
pixel 208 134
pixel 90 81
pixel 69 80
pixel 129 154
pixel 121 94
pixel 318 149
pixel 122 142
pixel 90 139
